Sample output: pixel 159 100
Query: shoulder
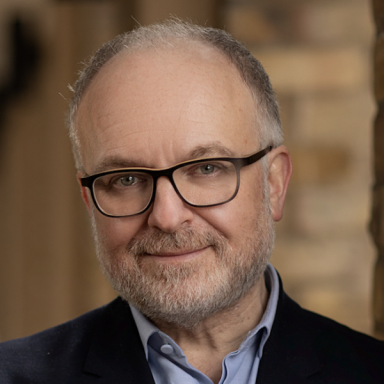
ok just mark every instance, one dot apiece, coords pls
pixel 308 346
pixel 321 326
pixel 323 331
pixel 343 354
pixel 103 344
pixel 50 351
pixel 332 337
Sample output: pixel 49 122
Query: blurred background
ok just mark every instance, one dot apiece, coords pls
pixel 319 56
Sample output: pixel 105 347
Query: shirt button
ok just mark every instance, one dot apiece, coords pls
pixel 167 349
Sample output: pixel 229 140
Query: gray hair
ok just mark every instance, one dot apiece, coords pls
pixel 161 34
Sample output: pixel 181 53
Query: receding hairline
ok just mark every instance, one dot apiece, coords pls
pixel 212 54
pixel 177 34
pixel 223 81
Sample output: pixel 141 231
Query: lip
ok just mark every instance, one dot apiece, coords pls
pixel 178 255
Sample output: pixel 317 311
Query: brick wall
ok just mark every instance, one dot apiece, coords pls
pixel 318 56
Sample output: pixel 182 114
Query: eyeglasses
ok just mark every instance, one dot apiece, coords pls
pixel 199 183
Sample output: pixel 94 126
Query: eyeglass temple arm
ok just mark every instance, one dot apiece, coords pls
pixel 257 156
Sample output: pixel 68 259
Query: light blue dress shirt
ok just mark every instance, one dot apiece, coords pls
pixel 169 365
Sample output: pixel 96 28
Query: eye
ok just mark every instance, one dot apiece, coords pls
pixel 212 169
pixel 206 169
pixel 128 180
pixel 124 182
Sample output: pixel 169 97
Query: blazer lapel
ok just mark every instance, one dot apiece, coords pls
pixel 288 356
pixel 116 354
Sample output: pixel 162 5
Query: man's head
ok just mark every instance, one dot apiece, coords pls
pixel 170 94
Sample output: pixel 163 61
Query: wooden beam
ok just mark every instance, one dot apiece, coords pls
pixel 377 222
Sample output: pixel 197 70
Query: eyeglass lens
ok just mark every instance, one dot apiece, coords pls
pixel 201 184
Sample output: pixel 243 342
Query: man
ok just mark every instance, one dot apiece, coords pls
pixel 177 141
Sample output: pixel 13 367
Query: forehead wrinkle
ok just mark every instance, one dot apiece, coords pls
pixel 125 128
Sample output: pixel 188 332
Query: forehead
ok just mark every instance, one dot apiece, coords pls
pixel 155 107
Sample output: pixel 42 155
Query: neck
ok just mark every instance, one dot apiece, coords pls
pixel 206 345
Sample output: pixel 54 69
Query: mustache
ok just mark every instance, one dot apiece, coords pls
pixel 155 241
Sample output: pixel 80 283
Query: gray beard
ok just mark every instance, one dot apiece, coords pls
pixel 187 294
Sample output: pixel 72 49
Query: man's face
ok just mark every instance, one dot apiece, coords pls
pixel 174 262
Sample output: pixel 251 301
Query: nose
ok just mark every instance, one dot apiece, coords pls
pixel 168 211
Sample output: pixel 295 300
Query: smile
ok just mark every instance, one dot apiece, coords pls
pixel 178 254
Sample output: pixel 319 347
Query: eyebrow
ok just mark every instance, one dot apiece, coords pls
pixel 215 149
pixel 116 162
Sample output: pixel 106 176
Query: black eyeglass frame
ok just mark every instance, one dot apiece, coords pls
pixel 238 162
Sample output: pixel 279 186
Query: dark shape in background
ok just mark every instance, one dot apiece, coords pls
pixel 23 64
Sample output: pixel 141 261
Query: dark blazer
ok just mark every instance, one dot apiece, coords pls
pixel 104 346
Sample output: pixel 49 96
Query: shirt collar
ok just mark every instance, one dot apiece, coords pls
pixel 147 329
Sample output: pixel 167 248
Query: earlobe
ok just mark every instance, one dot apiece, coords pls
pixel 280 171
pixel 84 194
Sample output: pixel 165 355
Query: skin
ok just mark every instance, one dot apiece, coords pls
pixel 156 109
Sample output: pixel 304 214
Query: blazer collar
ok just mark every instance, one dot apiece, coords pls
pixel 116 354
pixel 289 355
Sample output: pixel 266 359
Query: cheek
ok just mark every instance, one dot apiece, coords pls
pixel 116 233
pixel 236 219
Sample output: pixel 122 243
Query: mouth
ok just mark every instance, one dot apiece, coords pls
pixel 182 254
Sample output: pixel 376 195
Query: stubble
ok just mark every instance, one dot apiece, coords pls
pixel 184 294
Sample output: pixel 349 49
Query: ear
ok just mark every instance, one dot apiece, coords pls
pixel 85 194
pixel 280 171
